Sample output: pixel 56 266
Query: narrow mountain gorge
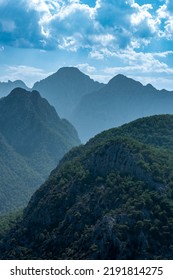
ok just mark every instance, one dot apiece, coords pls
pixel 108 199
pixel 33 140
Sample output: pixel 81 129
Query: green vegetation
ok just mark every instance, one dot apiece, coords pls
pixel 109 199
pixel 8 221
pixel 32 141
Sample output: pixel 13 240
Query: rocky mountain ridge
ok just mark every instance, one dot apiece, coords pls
pixel 105 200
pixel 35 138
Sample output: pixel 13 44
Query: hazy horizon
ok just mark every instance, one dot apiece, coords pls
pixel 102 38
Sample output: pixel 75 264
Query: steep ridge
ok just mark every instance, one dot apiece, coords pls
pixel 120 101
pixel 36 135
pixel 105 200
pixel 65 88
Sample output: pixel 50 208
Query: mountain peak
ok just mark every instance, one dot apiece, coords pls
pixel 121 76
pixel 7 87
pixel 69 69
pixel 19 90
pixel 150 87
pixel 27 115
pixel 35 93
pixel 122 80
pixel 22 93
pixel 65 88
pixel 70 73
pixel 35 140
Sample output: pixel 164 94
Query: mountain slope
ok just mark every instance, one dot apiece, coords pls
pixel 120 101
pixel 18 179
pixel 65 88
pixel 108 199
pixel 36 139
pixel 7 87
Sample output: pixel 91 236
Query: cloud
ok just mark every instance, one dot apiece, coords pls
pixel 141 62
pixel 71 27
pixel 143 23
pixel 165 16
pixel 26 73
pixel 144 67
pixel 19 26
pixel 72 24
pixel 86 68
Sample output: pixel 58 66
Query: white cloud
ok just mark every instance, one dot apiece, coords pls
pixel 26 73
pixel 103 39
pixel 165 16
pixel 71 25
pixel 97 54
pixel 169 28
pixel 112 31
pixel 144 67
pixel 143 21
pixel 163 54
pixel 86 68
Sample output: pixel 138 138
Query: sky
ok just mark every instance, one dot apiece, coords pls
pixel 101 37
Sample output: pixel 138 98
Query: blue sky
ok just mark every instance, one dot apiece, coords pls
pixel 100 37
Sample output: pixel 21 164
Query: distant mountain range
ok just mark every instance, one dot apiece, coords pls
pixel 108 199
pixel 65 88
pixel 7 87
pixel 32 140
pixel 120 101
pixel 93 107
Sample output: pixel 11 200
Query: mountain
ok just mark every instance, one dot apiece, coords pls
pixel 120 101
pixel 108 199
pixel 65 88
pixel 93 107
pixel 7 87
pixel 33 140
pixel 18 179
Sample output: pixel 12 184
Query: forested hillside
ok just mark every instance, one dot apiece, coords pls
pixel 109 199
pixel 32 140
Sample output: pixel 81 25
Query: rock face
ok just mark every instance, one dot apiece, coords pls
pixel 37 139
pixel 65 88
pixel 119 156
pixel 105 200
